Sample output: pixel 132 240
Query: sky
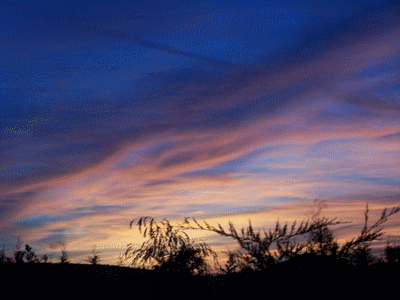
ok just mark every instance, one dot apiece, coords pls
pixel 218 110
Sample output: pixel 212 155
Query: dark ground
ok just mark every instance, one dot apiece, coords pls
pixel 311 281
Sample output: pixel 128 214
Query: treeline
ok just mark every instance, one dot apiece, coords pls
pixel 169 248
pixel 27 255
pixel 21 255
pixel 288 260
pixel 305 244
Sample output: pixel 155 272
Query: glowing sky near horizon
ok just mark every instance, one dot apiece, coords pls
pixel 112 110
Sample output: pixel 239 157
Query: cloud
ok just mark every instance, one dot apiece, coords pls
pixel 389 138
pixel 81 25
pixel 318 119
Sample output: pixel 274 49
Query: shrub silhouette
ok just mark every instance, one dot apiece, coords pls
pixel 291 257
pixel 30 256
pixel 3 256
pixel 94 258
pixel 321 240
pixel 288 255
pixel 189 259
pixel 22 256
pixel 260 250
pixel 64 257
pixel 358 249
pixel 19 254
pixel 45 258
pixel 168 248
pixel 392 253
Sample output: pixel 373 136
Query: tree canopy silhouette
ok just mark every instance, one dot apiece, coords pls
pixel 168 248
pixel 94 257
pixel 64 257
pixel 261 249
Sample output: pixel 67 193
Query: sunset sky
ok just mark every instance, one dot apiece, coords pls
pixel 219 110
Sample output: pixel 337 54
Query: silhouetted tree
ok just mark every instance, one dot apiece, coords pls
pixel 18 253
pixel 321 240
pixel 392 253
pixel 238 262
pixel 30 256
pixel 3 257
pixel 259 250
pixel 168 248
pixel 45 258
pixel 188 259
pixel 358 250
pixel 64 258
pixel 94 258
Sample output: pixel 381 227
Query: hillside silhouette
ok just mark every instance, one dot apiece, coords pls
pixel 317 280
pixel 269 263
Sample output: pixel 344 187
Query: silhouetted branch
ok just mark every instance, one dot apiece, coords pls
pixel 18 253
pixel 167 247
pixel 259 249
pixel 274 245
pixel 368 234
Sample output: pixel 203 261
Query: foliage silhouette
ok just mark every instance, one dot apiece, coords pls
pixel 19 254
pixel 301 255
pixel 357 250
pixel 168 248
pixel 3 256
pixel 45 258
pixel 94 258
pixel 321 240
pixel 295 255
pixel 64 257
pixel 260 250
pixel 392 253
pixel 121 260
pixel 30 256
pixel 22 256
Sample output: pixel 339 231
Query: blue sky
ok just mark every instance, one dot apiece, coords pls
pixel 111 110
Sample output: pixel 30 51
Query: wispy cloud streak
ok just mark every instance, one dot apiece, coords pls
pixel 110 124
